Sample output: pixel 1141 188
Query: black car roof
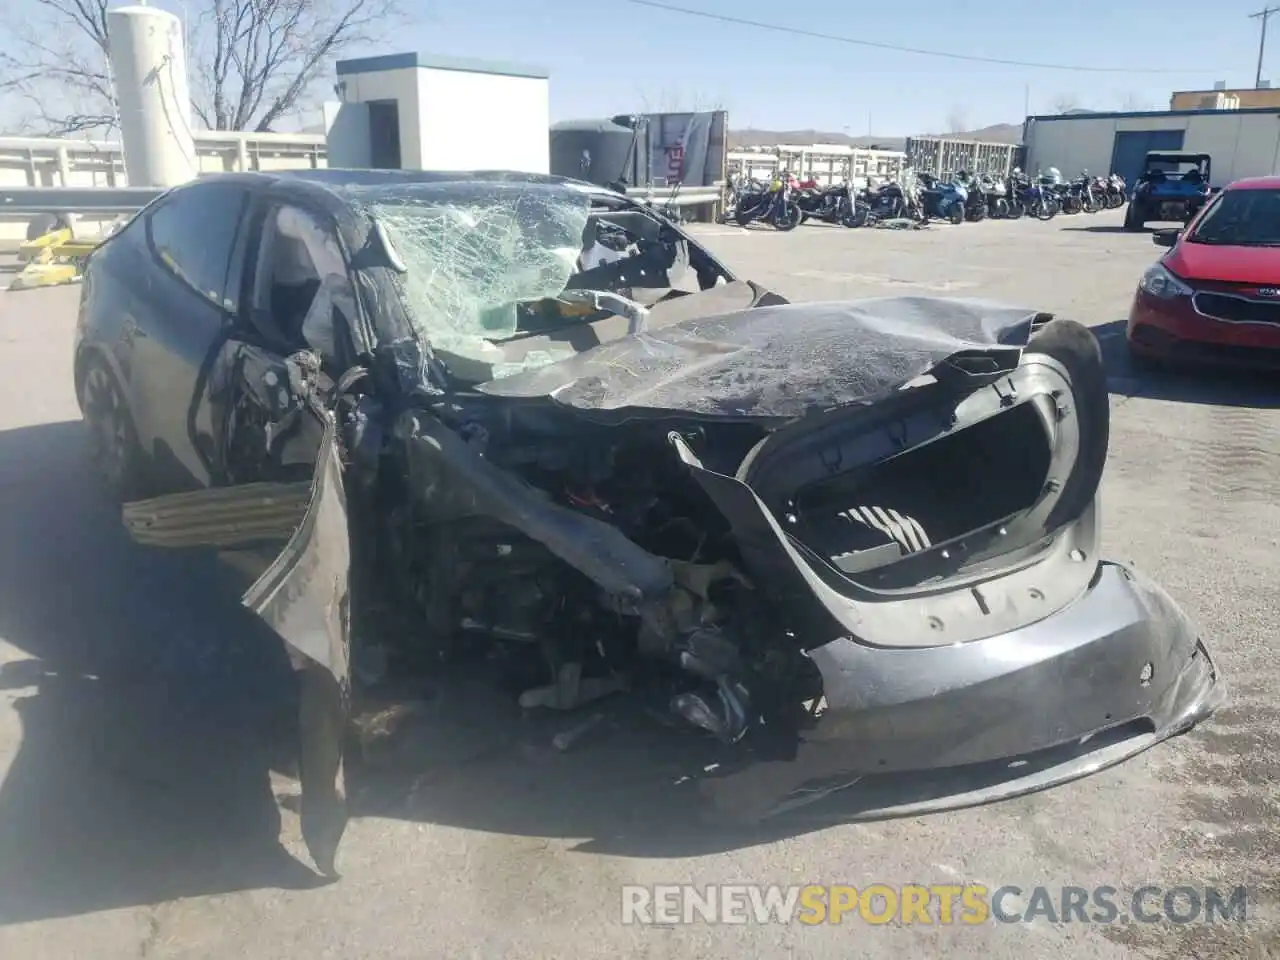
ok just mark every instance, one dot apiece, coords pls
pixel 324 186
pixel 333 179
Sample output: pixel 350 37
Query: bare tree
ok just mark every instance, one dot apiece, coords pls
pixel 1065 103
pixel 957 120
pixel 1133 102
pixel 250 61
pixel 56 64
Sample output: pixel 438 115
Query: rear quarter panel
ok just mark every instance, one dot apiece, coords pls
pixel 106 311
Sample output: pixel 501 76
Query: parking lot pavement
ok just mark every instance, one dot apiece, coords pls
pixel 145 803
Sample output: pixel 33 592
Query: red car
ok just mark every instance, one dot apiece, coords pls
pixel 1215 296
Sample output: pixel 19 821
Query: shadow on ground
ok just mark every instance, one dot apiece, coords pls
pixel 143 771
pixel 1190 384
pixel 1105 228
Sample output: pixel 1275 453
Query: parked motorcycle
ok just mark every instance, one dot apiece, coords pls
pixel 1117 192
pixel 1032 198
pixel 886 202
pixel 1086 188
pixel 1068 200
pixel 975 204
pixel 940 200
pixel 833 204
pixel 997 193
pixel 776 205
pixel 737 187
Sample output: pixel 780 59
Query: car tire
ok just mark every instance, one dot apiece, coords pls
pixel 113 441
pixel 1133 218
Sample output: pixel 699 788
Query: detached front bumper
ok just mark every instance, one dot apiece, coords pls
pixel 910 731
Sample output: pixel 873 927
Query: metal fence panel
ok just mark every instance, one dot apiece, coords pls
pixel 944 157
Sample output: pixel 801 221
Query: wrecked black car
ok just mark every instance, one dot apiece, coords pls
pixel 854 542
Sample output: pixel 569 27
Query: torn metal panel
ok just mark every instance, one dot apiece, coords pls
pixel 220 517
pixel 304 596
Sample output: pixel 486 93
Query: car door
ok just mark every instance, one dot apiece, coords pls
pixel 277 505
pixel 189 299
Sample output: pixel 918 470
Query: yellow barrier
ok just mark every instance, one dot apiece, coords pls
pixel 51 260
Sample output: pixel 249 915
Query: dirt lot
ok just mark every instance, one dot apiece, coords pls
pixel 145 810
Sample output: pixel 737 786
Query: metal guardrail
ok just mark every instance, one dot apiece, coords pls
pixel 20 202
pixel 26 202
pixel 687 197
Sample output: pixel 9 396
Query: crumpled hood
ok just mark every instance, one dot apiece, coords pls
pixel 776 361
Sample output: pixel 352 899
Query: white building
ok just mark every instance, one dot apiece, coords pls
pixel 417 112
pixel 1241 143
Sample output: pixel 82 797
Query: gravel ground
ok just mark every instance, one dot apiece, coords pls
pixel 145 808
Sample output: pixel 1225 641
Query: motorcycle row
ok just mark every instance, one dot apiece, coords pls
pixel 786 201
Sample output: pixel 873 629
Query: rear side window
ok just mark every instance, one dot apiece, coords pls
pixel 193 234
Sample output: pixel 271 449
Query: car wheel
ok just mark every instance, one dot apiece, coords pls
pixel 113 442
pixel 1132 218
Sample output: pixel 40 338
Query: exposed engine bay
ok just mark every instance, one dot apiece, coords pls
pixel 684 610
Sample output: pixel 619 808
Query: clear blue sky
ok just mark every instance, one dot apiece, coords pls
pixel 610 56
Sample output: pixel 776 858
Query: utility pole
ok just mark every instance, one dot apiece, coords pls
pixel 1264 16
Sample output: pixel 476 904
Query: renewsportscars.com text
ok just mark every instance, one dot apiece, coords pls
pixel 935 904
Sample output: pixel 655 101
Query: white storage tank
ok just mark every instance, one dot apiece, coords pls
pixel 149 67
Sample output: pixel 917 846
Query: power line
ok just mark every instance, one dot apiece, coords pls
pixel 945 54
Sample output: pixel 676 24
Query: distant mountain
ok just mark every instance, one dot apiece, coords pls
pixel 738 139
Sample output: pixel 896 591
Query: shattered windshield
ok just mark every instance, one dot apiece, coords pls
pixel 475 251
